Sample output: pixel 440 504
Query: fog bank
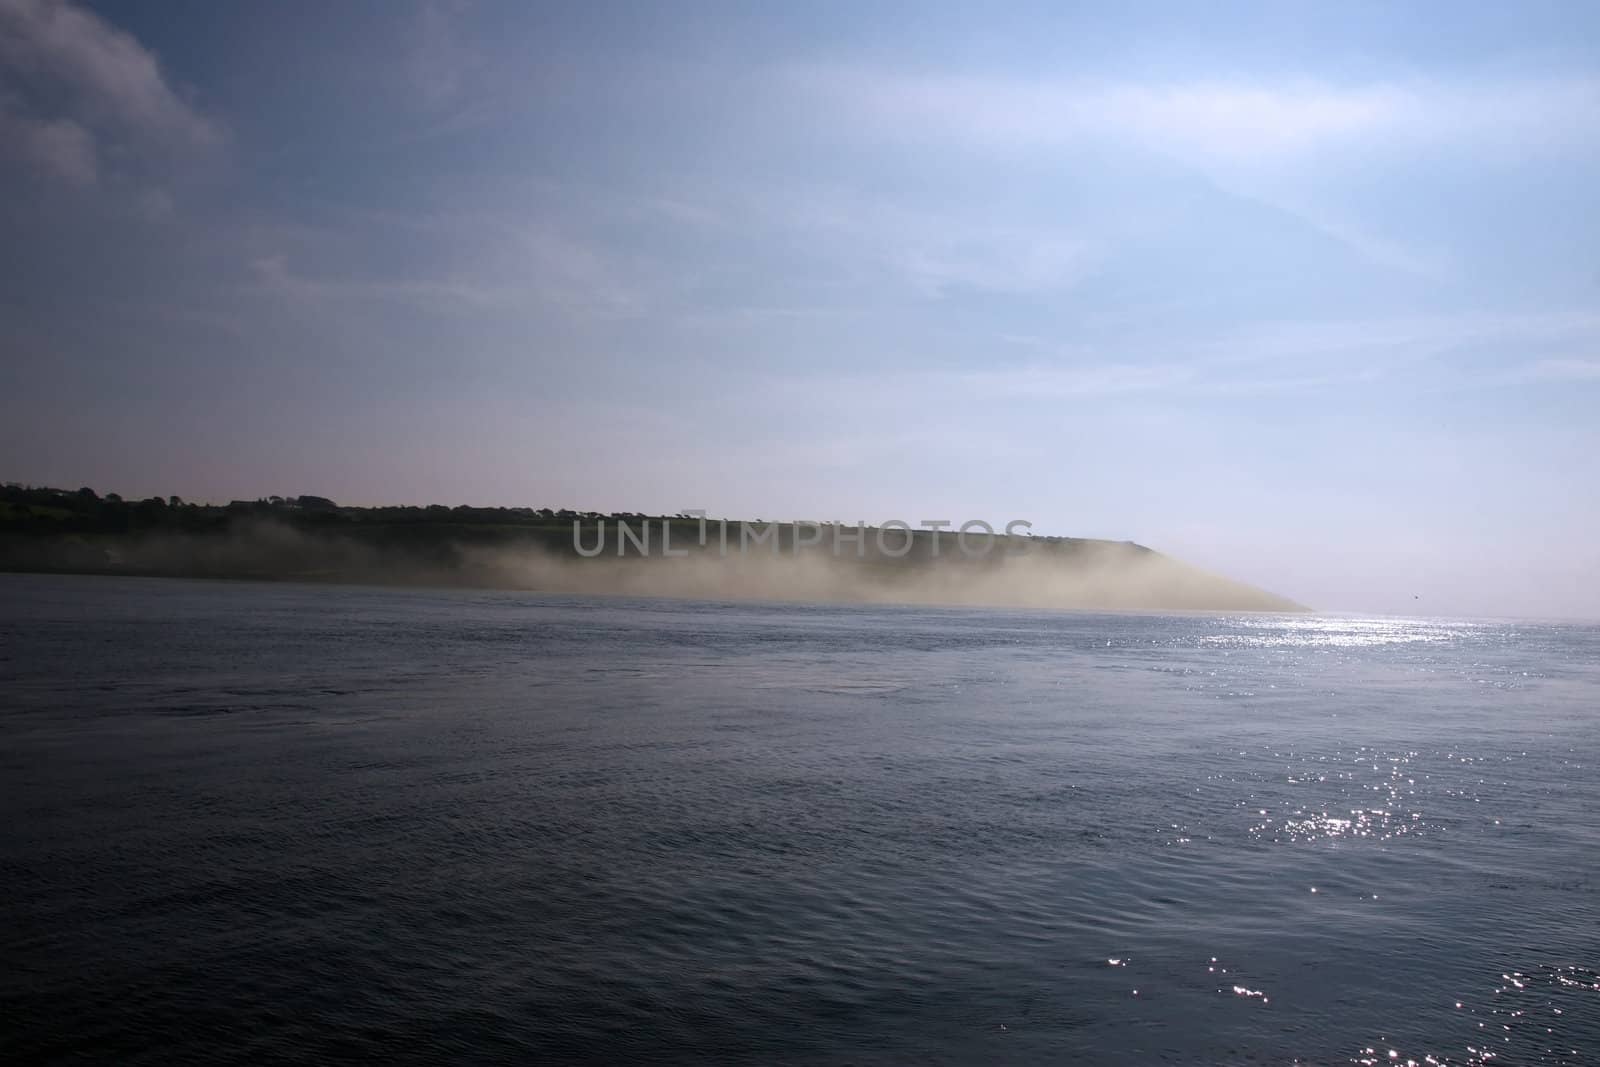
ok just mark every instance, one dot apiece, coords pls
pixel 1029 573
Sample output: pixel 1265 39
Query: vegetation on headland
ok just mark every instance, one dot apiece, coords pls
pixel 313 538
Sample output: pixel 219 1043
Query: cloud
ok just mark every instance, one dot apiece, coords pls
pixel 995 260
pixel 1208 120
pixel 1550 370
pixel 1389 344
pixel 273 274
pixel 1073 381
pixel 1586 369
pixel 1277 358
pixel 927 250
pixel 494 264
pixel 74 86
pixel 58 148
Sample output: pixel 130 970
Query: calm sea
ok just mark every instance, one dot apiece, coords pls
pixel 260 822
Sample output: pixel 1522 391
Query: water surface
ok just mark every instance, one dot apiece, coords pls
pixel 272 822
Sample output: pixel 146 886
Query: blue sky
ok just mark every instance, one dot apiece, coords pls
pixel 1305 294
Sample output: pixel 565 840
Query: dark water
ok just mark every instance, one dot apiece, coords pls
pixel 260 822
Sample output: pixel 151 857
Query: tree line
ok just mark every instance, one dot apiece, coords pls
pixel 43 509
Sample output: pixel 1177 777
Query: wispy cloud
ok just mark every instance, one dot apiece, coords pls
pixel 1061 382
pixel 1568 369
pixel 1546 371
pixel 1291 145
pixel 1208 120
pixel 991 260
pixel 479 265
pixel 1291 357
pixel 274 274
pixel 922 251
pixel 1402 339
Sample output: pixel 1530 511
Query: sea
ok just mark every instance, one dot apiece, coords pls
pixel 285 823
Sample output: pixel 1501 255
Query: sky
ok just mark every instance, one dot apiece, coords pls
pixel 1304 294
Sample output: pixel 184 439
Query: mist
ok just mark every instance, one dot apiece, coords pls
pixel 1087 575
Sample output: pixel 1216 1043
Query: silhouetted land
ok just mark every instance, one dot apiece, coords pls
pixel 311 538
pixel 82 530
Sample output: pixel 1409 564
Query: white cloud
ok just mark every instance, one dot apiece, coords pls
pixel 1208 120
pixel 74 85
pixel 1285 144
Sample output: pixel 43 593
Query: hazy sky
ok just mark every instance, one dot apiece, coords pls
pixel 1305 294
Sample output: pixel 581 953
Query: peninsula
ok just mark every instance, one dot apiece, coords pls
pixel 311 538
